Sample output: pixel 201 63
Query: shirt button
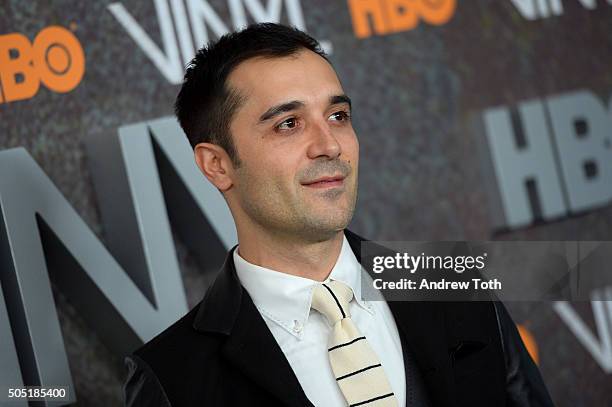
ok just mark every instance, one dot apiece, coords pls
pixel 297 326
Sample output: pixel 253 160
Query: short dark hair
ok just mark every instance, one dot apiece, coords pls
pixel 205 104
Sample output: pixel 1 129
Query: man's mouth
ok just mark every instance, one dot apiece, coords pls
pixel 326 182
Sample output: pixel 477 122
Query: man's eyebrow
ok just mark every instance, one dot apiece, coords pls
pixel 279 109
pixel 296 104
pixel 338 99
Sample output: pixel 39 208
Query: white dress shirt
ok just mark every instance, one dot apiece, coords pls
pixel 284 302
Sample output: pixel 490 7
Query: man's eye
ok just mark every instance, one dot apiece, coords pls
pixel 340 116
pixel 288 124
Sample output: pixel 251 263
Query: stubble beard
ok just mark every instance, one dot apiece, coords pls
pixel 267 206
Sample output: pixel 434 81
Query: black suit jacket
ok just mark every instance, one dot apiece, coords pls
pixel 222 353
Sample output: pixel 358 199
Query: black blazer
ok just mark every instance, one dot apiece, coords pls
pixel 221 353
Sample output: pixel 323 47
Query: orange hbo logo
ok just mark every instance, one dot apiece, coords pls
pixel 390 16
pixel 55 58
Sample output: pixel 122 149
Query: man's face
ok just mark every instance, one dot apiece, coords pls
pixel 292 130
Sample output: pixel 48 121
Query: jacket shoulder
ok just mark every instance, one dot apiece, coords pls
pixel 176 345
pixel 142 388
pixel 178 358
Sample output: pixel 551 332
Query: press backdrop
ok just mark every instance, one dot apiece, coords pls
pixel 435 85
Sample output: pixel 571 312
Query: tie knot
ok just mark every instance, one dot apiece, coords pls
pixel 331 299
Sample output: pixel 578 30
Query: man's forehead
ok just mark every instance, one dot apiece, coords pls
pixel 300 76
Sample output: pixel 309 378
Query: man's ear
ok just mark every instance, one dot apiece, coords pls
pixel 215 164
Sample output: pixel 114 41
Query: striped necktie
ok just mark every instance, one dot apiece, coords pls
pixel 356 367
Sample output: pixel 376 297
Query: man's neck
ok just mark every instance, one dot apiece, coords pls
pixel 299 257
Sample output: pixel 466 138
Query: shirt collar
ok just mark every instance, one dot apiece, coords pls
pixel 285 298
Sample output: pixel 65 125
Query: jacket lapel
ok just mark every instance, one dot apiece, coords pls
pixel 422 332
pixel 250 346
pixel 253 349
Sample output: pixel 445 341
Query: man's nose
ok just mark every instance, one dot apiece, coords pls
pixel 324 142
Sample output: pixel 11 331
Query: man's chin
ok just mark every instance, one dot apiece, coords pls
pixel 320 234
pixel 328 225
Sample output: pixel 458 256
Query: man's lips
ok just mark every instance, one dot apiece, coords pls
pixel 325 182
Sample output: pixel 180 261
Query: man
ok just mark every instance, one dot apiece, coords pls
pixel 284 322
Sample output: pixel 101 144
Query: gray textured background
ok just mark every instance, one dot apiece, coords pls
pixel 414 93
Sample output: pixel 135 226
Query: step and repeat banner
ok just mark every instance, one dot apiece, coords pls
pixel 477 120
